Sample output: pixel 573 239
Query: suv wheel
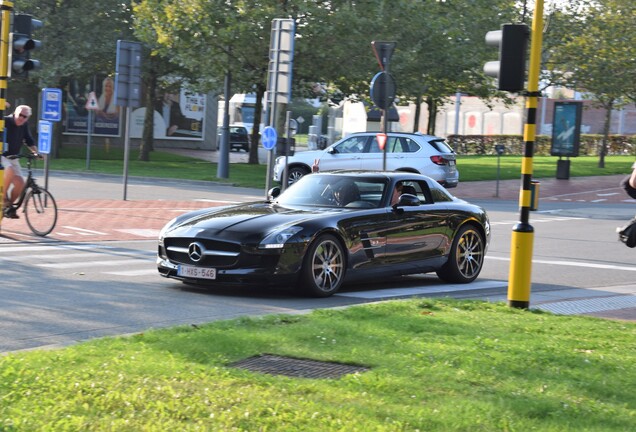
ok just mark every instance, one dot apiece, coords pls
pixel 294 174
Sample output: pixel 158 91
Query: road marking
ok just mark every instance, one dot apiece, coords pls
pixel 549 219
pixel 142 272
pixel 82 230
pixel 219 201
pixel 13 249
pixel 141 232
pixel 573 264
pixel 84 264
pixel 422 290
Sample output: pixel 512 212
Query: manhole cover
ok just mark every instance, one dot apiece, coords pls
pixel 278 365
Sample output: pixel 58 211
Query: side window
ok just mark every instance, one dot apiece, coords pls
pixel 374 147
pixel 394 145
pixel 410 146
pixel 352 145
pixel 417 189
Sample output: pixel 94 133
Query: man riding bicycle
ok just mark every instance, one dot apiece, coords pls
pixel 16 133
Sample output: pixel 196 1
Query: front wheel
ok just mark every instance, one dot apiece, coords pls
pixel 466 257
pixel 40 211
pixel 296 173
pixel 324 267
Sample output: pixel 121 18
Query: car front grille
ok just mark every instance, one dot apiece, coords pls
pixel 202 252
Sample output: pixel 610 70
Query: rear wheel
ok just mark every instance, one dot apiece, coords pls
pixel 324 268
pixel 40 211
pixel 466 257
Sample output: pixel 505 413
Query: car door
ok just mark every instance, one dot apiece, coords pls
pixel 344 155
pixel 416 233
pixel 373 157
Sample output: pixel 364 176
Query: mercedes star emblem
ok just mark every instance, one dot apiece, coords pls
pixel 195 251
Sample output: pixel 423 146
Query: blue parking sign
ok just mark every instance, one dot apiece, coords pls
pixel 51 104
pixel 45 134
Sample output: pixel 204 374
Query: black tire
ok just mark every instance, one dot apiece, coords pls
pixel 295 173
pixel 324 267
pixel 40 211
pixel 466 257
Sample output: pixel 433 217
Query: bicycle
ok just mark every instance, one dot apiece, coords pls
pixel 37 203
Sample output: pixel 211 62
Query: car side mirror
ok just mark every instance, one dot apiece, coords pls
pixel 273 193
pixel 332 150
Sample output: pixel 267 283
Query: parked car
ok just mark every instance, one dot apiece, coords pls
pixel 239 138
pixel 327 229
pixel 410 152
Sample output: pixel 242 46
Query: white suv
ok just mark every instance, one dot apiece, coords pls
pixel 412 152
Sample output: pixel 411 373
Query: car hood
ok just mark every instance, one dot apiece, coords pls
pixel 253 219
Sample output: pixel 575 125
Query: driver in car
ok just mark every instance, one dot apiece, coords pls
pixel 345 193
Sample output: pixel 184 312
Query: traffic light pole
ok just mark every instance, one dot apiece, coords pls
pixel 5 9
pixel 523 233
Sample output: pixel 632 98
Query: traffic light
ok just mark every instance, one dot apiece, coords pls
pixel 510 70
pixel 22 44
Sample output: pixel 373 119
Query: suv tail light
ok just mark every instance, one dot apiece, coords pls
pixel 439 160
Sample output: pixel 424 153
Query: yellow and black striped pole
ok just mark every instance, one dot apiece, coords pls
pixel 5 9
pixel 523 233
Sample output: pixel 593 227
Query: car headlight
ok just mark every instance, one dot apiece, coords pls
pixel 277 238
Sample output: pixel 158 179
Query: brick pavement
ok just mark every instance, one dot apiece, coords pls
pixel 103 220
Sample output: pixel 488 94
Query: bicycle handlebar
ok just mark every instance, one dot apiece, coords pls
pixel 28 156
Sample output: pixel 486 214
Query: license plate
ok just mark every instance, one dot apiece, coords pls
pixel 196 272
pixel 451 162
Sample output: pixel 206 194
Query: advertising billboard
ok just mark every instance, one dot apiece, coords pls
pixel 566 129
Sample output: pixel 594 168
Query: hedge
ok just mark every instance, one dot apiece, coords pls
pixel 590 145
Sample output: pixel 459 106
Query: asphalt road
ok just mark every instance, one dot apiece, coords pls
pixel 95 275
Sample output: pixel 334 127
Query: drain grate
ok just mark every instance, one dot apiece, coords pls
pixel 300 368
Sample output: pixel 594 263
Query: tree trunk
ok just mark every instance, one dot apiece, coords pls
pixel 606 130
pixel 418 112
pixel 432 115
pixel 147 138
pixel 256 133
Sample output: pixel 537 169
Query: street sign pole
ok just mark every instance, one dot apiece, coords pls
pixel 51 111
pixel 91 106
pixel 6 7
pixel 522 240
pixel 269 139
pixel 128 88
pixel 383 52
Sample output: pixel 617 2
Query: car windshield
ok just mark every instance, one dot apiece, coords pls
pixel 325 190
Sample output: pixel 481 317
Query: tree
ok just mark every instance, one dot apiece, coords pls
pixel 79 40
pixel 597 55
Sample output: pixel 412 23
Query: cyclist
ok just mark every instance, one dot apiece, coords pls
pixel 16 133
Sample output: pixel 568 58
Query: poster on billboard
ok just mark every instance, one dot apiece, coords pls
pixel 176 116
pixel 566 129
pixel 107 118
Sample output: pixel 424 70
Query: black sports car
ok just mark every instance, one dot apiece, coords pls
pixel 329 228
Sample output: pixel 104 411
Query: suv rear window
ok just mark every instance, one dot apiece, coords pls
pixel 441 146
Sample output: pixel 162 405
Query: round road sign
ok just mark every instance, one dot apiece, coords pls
pixel 382 84
pixel 269 137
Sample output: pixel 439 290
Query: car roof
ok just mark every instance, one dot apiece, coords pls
pixel 387 175
pixel 416 134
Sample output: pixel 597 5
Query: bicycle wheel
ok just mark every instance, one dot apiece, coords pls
pixel 40 211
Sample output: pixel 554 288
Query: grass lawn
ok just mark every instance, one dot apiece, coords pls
pixel 168 165
pixel 434 365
